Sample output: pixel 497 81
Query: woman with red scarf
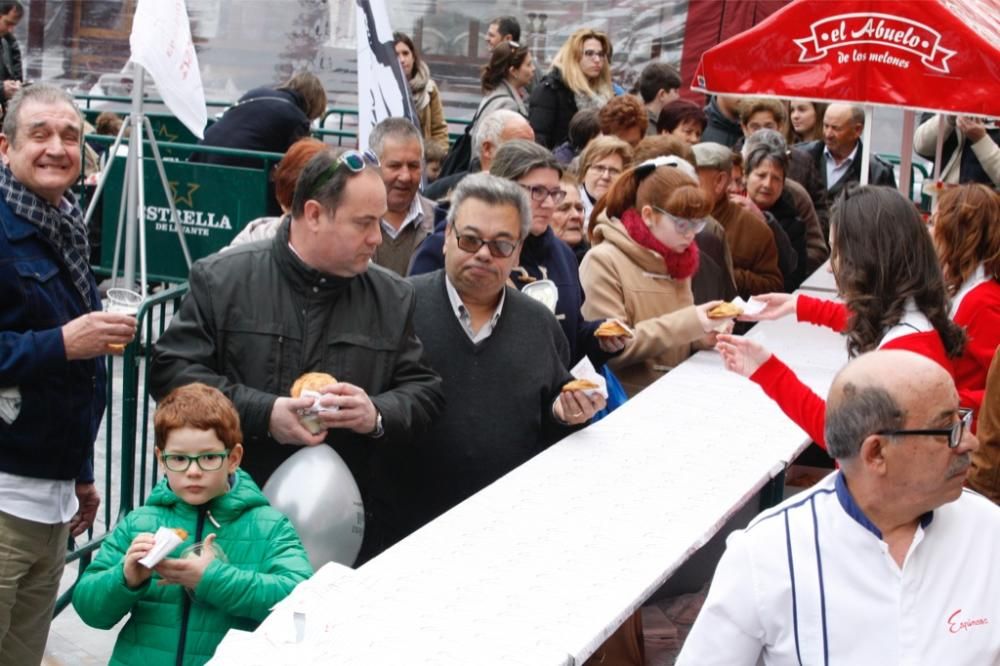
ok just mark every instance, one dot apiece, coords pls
pixel 640 265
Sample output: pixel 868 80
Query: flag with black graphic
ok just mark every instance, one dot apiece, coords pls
pixel 383 89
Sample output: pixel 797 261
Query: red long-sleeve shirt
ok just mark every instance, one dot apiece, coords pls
pixel 979 314
pixel 799 402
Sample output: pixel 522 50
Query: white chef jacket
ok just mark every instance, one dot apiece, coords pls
pixel 811 581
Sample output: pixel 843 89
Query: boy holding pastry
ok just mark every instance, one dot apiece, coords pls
pixel 246 556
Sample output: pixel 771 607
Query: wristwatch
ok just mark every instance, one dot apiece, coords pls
pixel 379 430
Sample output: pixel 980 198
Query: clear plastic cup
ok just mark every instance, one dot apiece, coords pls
pixel 122 301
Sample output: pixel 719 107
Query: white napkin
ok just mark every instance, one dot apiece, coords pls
pixel 750 307
pixel 317 408
pixel 165 540
pixel 585 370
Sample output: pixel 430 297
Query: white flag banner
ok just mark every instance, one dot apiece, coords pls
pixel 161 44
pixel 383 90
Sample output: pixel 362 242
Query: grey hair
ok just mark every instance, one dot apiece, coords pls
pixel 859 412
pixel 765 137
pixel 490 127
pixel 765 145
pixel 399 129
pixel 493 191
pixel 858 114
pixel 43 93
pixel 517 157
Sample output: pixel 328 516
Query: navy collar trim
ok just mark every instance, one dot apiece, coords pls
pixel 852 509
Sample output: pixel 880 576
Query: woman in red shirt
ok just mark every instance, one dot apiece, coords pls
pixel 967 239
pixel 893 294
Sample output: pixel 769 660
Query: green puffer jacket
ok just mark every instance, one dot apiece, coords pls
pixel 266 561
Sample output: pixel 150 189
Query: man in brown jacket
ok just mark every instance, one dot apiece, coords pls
pixel 755 255
pixel 985 474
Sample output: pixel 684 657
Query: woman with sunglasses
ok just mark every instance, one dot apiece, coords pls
pixel 543 255
pixel 425 93
pixel 967 239
pixel 580 78
pixel 640 266
pixel 893 293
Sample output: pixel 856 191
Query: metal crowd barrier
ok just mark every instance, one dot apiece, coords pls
pixel 127 432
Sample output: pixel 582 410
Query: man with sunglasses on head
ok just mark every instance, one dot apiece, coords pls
pixel 501 354
pixel 885 561
pixel 260 315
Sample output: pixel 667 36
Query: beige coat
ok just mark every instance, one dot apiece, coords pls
pixel 432 122
pixel 624 280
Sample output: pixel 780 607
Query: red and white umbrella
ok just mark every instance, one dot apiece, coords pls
pixel 933 55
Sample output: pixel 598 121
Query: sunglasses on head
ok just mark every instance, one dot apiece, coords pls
pixel 352 160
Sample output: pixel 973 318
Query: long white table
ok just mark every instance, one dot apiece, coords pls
pixel 540 567
pixel 821 280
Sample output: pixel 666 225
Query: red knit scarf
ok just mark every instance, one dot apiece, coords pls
pixel 680 265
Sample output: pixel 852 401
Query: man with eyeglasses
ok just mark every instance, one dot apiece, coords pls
pixel 260 315
pixel 887 560
pixel 502 357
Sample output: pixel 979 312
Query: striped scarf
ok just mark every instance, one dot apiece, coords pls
pixel 62 228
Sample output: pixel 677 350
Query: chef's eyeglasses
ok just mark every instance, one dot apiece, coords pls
pixel 954 433
pixel 207 462
pixel 353 160
pixel 683 225
pixel 500 249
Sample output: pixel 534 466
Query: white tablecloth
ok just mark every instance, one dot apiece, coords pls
pixel 540 567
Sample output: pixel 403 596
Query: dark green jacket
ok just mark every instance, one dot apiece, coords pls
pixel 266 561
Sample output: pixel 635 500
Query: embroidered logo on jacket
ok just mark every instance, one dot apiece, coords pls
pixel 957 624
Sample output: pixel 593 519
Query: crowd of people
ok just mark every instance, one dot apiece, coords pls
pixel 448 317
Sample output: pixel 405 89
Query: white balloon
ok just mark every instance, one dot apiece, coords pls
pixel 317 492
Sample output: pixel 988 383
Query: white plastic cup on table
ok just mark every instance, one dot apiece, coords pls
pixel 122 301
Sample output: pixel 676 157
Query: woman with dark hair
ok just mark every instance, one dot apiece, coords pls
pixel 543 255
pixel 580 78
pixel 806 121
pixel 682 119
pixel 967 239
pixel 640 265
pixel 765 168
pixel 894 297
pixel 425 93
pixel 504 78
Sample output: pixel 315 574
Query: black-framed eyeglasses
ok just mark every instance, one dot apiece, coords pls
pixel 208 462
pixel 683 225
pixel 954 433
pixel 501 249
pixel 540 192
pixel 353 160
pixel 591 53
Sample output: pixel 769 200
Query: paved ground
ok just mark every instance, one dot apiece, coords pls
pixel 71 642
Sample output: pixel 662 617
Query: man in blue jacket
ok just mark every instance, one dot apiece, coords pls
pixel 53 337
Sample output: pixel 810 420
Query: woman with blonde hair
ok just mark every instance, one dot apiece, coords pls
pixel 967 242
pixel 601 162
pixel 640 264
pixel 425 93
pixel 580 78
